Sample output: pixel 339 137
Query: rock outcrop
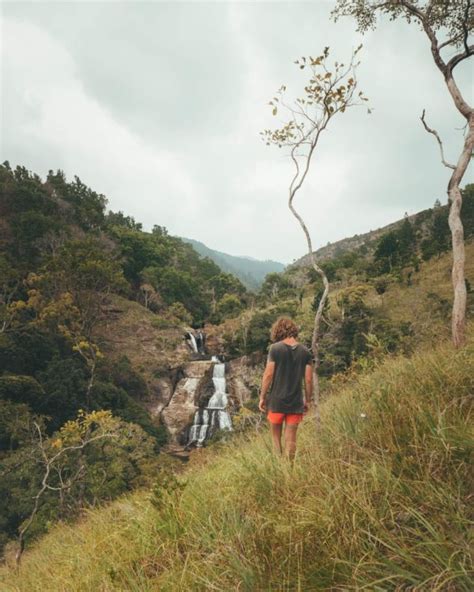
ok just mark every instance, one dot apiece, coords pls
pixel 175 383
pixel 244 377
pixel 190 388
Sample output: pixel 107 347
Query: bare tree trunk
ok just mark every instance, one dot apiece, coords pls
pixel 315 342
pixel 458 317
pixel 319 313
pixel 90 384
pixel 458 321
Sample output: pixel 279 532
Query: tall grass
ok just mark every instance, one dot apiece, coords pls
pixel 378 501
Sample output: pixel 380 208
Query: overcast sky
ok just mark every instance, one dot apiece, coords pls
pixel 159 105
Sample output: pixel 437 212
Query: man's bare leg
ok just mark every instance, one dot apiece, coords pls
pixel 290 440
pixel 276 436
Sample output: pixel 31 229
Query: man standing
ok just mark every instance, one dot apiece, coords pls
pixel 288 364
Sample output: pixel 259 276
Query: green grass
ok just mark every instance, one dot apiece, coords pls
pixel 402 303
pixel 373 503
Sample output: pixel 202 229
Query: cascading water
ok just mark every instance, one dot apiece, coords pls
pixel 215 416
pixel 193 342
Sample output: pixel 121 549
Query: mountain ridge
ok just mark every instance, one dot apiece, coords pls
pixel 249 270
pixel 355 241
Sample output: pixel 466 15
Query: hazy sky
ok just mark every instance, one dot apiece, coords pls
pixel 159 105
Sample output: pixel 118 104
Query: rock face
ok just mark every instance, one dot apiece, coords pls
pixel 194 387
pixel 160 391
pixel 244 378
pixel 176 384
pixel 191 386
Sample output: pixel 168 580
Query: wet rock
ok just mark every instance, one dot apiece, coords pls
pixel 179 412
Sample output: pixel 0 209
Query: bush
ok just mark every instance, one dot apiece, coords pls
pixel 22 389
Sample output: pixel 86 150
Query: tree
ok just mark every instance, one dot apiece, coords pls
pixel 386 251
pixel 93 457
pixel 229 306
pixel 447 24
pixel 406 241
pixel 326 94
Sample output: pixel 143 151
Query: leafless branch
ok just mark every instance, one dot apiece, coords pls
pixel 49 465
pixel 436 135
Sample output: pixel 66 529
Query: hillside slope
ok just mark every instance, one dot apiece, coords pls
pixel 378 501
pixel 430 224
pixel 251 272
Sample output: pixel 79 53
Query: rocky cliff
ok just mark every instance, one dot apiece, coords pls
pixel 176 382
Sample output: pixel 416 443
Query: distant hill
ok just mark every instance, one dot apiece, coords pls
pixel 367 240
pixel 251 272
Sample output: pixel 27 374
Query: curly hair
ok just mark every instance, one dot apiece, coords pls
pixel 283 328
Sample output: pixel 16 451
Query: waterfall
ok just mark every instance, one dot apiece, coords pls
pixel 215 416
pixel 193 342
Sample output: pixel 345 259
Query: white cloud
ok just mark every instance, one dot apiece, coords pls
pixel 159 106
pixel 141 179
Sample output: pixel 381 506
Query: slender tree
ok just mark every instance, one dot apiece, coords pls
pixel 90 428
pixel 447 25
pixel 328 92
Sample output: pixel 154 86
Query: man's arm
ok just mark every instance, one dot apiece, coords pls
pixel 266 382
pixel 308 385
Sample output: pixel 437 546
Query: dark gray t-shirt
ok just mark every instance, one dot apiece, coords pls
pixel 286 395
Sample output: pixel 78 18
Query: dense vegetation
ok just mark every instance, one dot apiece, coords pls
pixel 378 501
pixel 363 280
pixel 69 409
pixel 62 258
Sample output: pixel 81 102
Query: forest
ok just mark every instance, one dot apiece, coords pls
pixel 65 258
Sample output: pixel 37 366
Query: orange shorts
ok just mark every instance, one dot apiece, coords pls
pixel 289 418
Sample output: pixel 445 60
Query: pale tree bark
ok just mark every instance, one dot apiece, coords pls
pixel 454 19
pixel 458 318
pixel 319 313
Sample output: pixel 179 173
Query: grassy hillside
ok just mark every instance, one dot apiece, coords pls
pixel 378 501
pixel 424 301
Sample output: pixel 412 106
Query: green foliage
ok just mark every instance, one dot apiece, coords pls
pixel 226 283
pixel 64 382
pixel 119 219
pixel 88 207
pixel 378 499
pixel 28 349
pixel 166 488
pixel 229 306
pixel 255 334
pixel 125 377
pixel 16 425
pixel 439 238
pixel 22 389
pixel 106 395
pixel 396 248
pixel 62 260
pixel 95 457
pixel 178 310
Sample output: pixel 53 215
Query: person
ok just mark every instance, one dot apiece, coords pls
pixel 288 364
